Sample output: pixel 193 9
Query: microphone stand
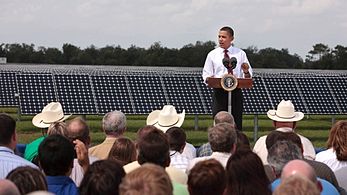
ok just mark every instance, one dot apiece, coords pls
pixel 229 97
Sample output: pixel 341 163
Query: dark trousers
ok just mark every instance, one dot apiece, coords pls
pixel 220 103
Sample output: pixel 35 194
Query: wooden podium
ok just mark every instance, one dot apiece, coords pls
pixel 244 83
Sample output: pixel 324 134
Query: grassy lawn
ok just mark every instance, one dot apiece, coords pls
pixel 314 127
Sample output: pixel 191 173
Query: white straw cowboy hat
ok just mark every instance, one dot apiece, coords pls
pixel 285 112
pixel 53 112
pixel 166 118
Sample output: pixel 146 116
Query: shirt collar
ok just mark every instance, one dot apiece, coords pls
pixel 230 49
pixel 285 129
pixel 6 149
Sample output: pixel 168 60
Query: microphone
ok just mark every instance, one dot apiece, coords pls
pixel 233 62
pixel 226 62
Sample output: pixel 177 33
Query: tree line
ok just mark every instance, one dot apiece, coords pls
pixel 191 55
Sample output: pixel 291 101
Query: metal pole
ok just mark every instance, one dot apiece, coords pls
pixel 229 102
pixel 255 133
pixel 196 125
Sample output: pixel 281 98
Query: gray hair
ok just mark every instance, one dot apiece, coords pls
pixel 224 117
pixel 281 153
pixel 114 122
pixel 222 137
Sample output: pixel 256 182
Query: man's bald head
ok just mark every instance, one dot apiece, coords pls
pixel 302 168
pixel 299 167
pixel 7 187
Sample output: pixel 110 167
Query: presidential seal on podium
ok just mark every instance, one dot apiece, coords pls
pixel 229 82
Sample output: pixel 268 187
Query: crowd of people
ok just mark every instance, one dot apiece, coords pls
pixel 161 161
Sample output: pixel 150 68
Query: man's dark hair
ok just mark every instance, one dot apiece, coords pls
pixel 7 128
pixel 102 177
pixel 154 148
pixel 56 154
pixel 228 29
pixel 207 177
pixel 177 138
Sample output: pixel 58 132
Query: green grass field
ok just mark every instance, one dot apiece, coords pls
pixel 314 127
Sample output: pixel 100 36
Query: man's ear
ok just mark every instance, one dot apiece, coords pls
pixel 88 142
pixel 168 161
pixel 320 186
pixel 233 149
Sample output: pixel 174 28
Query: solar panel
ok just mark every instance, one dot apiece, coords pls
pixel 182 92
pixel 256 99
pixel 338 87
pixel 284 89
pixel 111 93
pixel 35 91
pixel 8 89
pixel 147 93
pixel 206 94
pixel 316 95
pixel 75 93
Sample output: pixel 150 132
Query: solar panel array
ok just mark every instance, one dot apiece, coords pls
pixel 98 90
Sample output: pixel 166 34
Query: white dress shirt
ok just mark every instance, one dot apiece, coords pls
pixel 77 172
pixel 214 66
pixel 178 160
pixel 9 161
pixel 329 158
pixel 219 156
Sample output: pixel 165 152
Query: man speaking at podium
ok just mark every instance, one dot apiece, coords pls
pixel 227 59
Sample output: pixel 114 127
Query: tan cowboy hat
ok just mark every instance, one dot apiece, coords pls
pixel 166 118
pixel 285 113
pixel 53 112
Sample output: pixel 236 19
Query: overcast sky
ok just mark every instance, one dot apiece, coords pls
pixel 293 24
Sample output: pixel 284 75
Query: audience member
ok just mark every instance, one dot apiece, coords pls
pixel 297 166
pixel 142 132
pixel 78 132
pixel 27 179
pixel 7 187
pixel 52 112
pixel 166 118
pixel 296 185
pixel 123 151
pixel 207 178
pixel 154 148
pixel 148 179
pixel 56 155
pixel 114 126
pixel 321 169
pixel 280 154
pixel 176 175
pixel 284 119
pixel 177 141
pixel 222 138
pixel 336 154
pixel 246 174
pixel 102 178
pixel 221 117
pixel 8 140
